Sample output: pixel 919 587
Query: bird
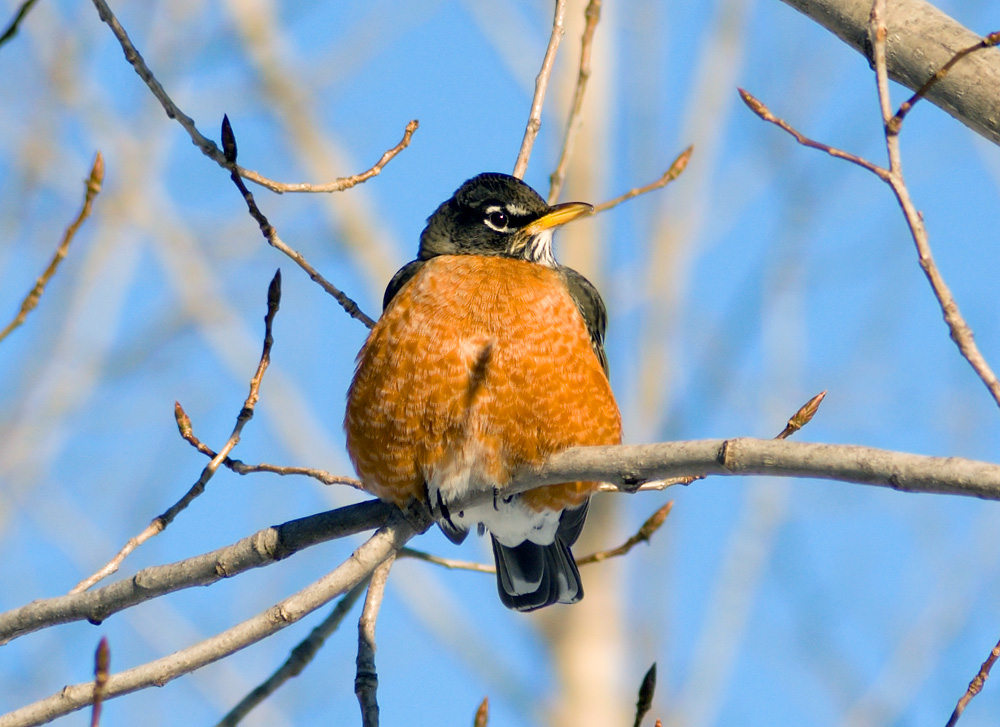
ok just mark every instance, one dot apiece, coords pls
pixel 487 359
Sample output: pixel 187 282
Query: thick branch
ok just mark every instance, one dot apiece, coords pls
pixel 365 559
pixel 260 549
pixel 631 465
pixel 921 40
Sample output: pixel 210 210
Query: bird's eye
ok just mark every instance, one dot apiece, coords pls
pixel 497 219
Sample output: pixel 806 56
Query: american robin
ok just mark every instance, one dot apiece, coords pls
pixel 488 358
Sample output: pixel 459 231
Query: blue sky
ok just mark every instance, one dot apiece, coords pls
pixel 766 273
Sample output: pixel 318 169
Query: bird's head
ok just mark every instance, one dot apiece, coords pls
pixel 497 214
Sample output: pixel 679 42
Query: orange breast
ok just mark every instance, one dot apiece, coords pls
pixel 480 366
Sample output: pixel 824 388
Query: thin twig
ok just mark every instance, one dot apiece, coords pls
pixel 93 187
pixel 298 660
pixel 764 112
pixel 645 532
pixel 592 15
pixel 896 122
pixel 645 701
pixel 15 24
pixel 341 183
pixel 271 234
pixel 102 669
pixel 241 468
pixel 366 680
pixel 975 686
pixel 246 414
pixel 207 146
pixel 541 85
pixel 676 168
pixel 643 535
pixel 958 329
pixel 449 563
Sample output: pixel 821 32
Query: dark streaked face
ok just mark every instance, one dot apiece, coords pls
pixel 496 214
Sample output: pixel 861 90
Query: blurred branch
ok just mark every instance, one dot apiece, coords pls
pixel 271 234
pixel 482 717
pixel 15 24
pixel 922 40
pixel 592 15
pixel 102 667
pixel 159 523
pixel 366 679
pixel 975 686
pixel 93 188
pixel 541 86
pixel 207 146
pixel 298 660
pixel 645 700
pixel 254 551
pixel 348 574
pixel 675 170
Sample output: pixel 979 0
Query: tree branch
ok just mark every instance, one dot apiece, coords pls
pixel 93 188
pixel 541 86
pixel 921 40
pixel 364 560
pixel 298 660
pixel 254 551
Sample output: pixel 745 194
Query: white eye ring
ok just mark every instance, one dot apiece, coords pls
pixel 496 219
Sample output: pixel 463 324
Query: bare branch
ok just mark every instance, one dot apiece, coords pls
pixel 342 183
pixel 15 24
pixel 157 673
pixel 241 468
pixel 975 686
pixel 207 146
pixel 298 660
pixel 254 551
pixel 246 414
pixel 92 189
pixel 764 112
pixel 271 234
pixel 541 86
pixel 627 466
pixel 676 168
pixel 645 532
pixel 958 329
pixel 366 680
pixel 922 40
pixel 897 121
pixel 592 15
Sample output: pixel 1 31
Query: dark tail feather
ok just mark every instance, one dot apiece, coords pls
pixel 531 576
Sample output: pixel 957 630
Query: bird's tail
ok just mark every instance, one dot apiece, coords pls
pixel 531 576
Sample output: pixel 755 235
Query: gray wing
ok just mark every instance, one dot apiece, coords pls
pixel 591 306
pixel 401 278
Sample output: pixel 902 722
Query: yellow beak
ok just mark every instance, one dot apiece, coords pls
pixel 556 216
